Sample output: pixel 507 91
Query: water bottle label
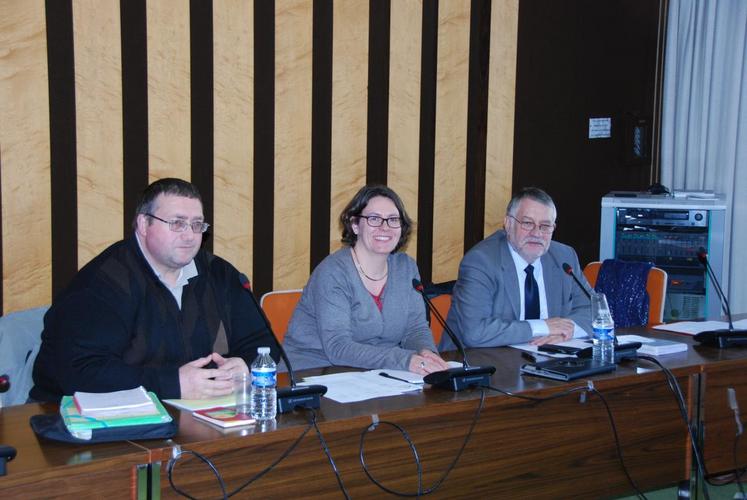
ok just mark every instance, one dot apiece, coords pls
pixel 604 333
pixel 263 377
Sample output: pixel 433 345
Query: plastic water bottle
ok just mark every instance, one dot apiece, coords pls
pixel 604 330
pixel 264 380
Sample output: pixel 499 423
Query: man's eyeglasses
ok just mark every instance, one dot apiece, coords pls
pixel 528 226
pixel 179 226
pixel 376 221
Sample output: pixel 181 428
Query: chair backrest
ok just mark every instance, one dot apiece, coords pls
pixel 656 286
pixel 279 306
pixel 20 339
pixel 442 303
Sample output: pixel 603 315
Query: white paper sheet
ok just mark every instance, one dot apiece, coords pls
pixel 349 387
pixel 695 327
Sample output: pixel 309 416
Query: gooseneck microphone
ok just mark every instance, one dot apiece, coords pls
pixel 569 271
pixel 295 396
pixel 723 337
pixel 459 378
pixel 703 259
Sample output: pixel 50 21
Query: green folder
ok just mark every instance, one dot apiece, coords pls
pixel 76 422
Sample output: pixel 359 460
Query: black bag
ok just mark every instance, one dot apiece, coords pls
pixel 53 427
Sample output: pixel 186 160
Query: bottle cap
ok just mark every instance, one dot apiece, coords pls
pixel 263 350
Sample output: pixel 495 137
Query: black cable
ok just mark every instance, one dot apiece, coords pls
pixel 583 388
pixel 620 457
pixel 420 492
pixel 283 456
pixel 737 470
pixel 674 386
pixel 172 463
pixel 540 399
pixel 736 475
pixel 325 448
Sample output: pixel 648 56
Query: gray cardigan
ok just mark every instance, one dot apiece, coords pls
pixel 337 321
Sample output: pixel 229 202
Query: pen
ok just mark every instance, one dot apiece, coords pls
pixel 386 375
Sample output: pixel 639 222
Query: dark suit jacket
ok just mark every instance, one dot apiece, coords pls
pixel 485 307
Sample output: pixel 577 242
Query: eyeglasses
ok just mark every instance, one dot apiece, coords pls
pixel 179 226
pixel 529 226
pixel 376 221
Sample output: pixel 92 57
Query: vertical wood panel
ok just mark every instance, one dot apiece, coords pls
pixel 379 39
pixel 24 152
pixel 404 107
pixel 264 145
pixel 202 149
pixel 234 129
pixel 427 139
pixel 451 138
pixel 293 69
pixel 349 105
pixel 477 123
pixel 98 101
pixel 62 142
pixel 134 106
pixel 296 126
pixel 500 146
pixel 321 131
pixel 168 90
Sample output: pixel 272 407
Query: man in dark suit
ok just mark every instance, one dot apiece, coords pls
pixel 512 288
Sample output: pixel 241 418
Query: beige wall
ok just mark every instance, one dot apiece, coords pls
pixel 25 167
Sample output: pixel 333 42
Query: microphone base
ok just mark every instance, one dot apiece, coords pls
pixel 722 339
pixel 7 453
pixel 300 396
pixel 460 378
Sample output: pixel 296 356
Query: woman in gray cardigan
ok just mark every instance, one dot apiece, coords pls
pixel 359 308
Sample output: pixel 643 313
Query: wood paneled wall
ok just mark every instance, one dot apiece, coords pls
pixel 278 110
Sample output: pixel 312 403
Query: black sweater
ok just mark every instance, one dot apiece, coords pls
pixel 116 326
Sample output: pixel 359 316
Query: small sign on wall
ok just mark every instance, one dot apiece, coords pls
pixel 600 128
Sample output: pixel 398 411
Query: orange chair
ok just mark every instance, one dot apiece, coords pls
pixel 656 286
pixel 279 306
pixel 442 303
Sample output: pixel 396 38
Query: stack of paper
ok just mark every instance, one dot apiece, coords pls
pixel 79 424
pixel 654 347
pixel 132 402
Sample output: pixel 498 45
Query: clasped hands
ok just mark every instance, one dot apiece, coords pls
pixel 198 382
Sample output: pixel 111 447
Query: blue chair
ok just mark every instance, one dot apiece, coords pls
pixel 20 339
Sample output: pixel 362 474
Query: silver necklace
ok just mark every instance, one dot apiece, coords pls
pixel 360 267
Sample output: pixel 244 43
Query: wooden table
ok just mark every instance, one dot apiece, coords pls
pixel 46 469
pixel 558 448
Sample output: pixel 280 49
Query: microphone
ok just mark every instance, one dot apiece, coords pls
pixel 460 378
pixel 569 271
pixel 703 259
pixel 7 453
pixel 721 338
pixel 295 396
pixel 622 351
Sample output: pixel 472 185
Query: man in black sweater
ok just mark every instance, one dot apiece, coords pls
pixel 152 310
